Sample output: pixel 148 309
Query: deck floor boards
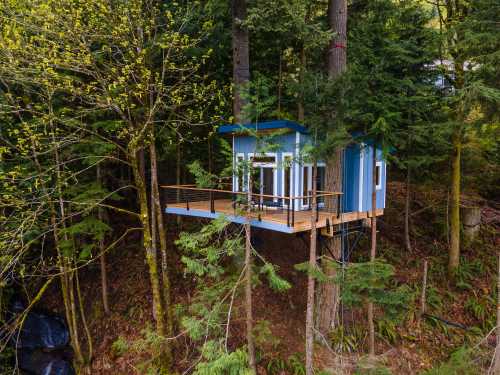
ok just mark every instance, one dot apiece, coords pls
pixel 302 219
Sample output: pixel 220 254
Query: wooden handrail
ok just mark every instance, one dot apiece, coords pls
pixel 192 187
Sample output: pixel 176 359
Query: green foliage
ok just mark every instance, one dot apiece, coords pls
pixel 467 272
pixel 482 308
pixel 206 249
pixel 150 346
pixel 374 370
pixel 347 339
pixel 293 365
pixel 371 281
pixel 264 337
pixel 203 178
pixel 461 362
pixel 119 347
pixel 218 361
pixel 296 364
pixel 275 282
pixel 387 329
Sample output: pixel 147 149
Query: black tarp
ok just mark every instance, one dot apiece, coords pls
pixel 40 330
pixel 38 362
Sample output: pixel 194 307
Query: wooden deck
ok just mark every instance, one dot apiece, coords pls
pixel 275 219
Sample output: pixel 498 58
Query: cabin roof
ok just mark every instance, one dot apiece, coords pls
pixel 263 125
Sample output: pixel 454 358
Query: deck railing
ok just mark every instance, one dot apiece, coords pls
pixel 192 197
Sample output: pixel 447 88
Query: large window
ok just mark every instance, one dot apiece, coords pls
pixel 287 175
pixel 307 183
pixel 240 173
pixel 378 175
pixel 264 175
pixel 321 181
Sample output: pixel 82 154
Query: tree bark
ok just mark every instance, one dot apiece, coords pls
pixel 300 102
pixel 424 292
pixel 455 14
pixel 241 59
pixel 337 51
pixel 329 293
pixel 496 365
pixel 151 255
pixel 407 210
pixel 67 285
pixel 248 281
pixel 454 252
pixel 311 283
pixel 102 255
pixel 162 235
pixel 178 175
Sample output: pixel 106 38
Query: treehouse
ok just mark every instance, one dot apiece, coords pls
pixel 282 183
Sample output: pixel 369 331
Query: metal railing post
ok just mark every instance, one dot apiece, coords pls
pixel 293 212
pixel 212 206
pixel 288 213
pixel 338 206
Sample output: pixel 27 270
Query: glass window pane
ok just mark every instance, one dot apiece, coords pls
pixel 305 184
pixel 268 181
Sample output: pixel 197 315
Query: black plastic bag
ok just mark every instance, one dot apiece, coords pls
pixel 38 362
pixel 40 330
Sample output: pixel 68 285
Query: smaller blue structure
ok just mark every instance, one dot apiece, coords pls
pixel 285 171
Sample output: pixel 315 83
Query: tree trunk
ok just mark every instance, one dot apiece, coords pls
pixel 311 283
pixel 423 295
pixel 454 251
pixel 471 222
pixel 248 280
pixel 496 366
pixel 90 352
pixel 102 255
pixel 241 62
pixel 329 293
pixel 280 81
pixel 407 210
pixel 373 249
pixel 456 12
pixel 67 285
pixel 300 102
pixel 248 298
pixel 337 51
pixel 162 234
pixel 148 245
pixel 178 179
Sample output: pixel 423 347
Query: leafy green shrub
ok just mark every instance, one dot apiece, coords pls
pixel 296 364
pixel 119 347
pixel 347 340
pixel 387 329
pixel 460 363
pixel 217 361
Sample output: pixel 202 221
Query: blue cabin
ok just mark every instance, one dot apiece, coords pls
pixel 282 182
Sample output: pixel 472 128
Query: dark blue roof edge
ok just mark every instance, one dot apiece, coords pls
pixel 264 125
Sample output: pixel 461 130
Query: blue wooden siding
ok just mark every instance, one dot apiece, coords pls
pixel 368 179
pixel 351 178
pixel 358 164
pixel 286 144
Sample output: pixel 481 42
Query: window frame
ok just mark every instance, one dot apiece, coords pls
pixel 309 167
pixel 285 155
pixel 250 155
pixel 236 176
pixel 378 165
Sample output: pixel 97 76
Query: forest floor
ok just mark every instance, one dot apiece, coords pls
pixel 406 346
